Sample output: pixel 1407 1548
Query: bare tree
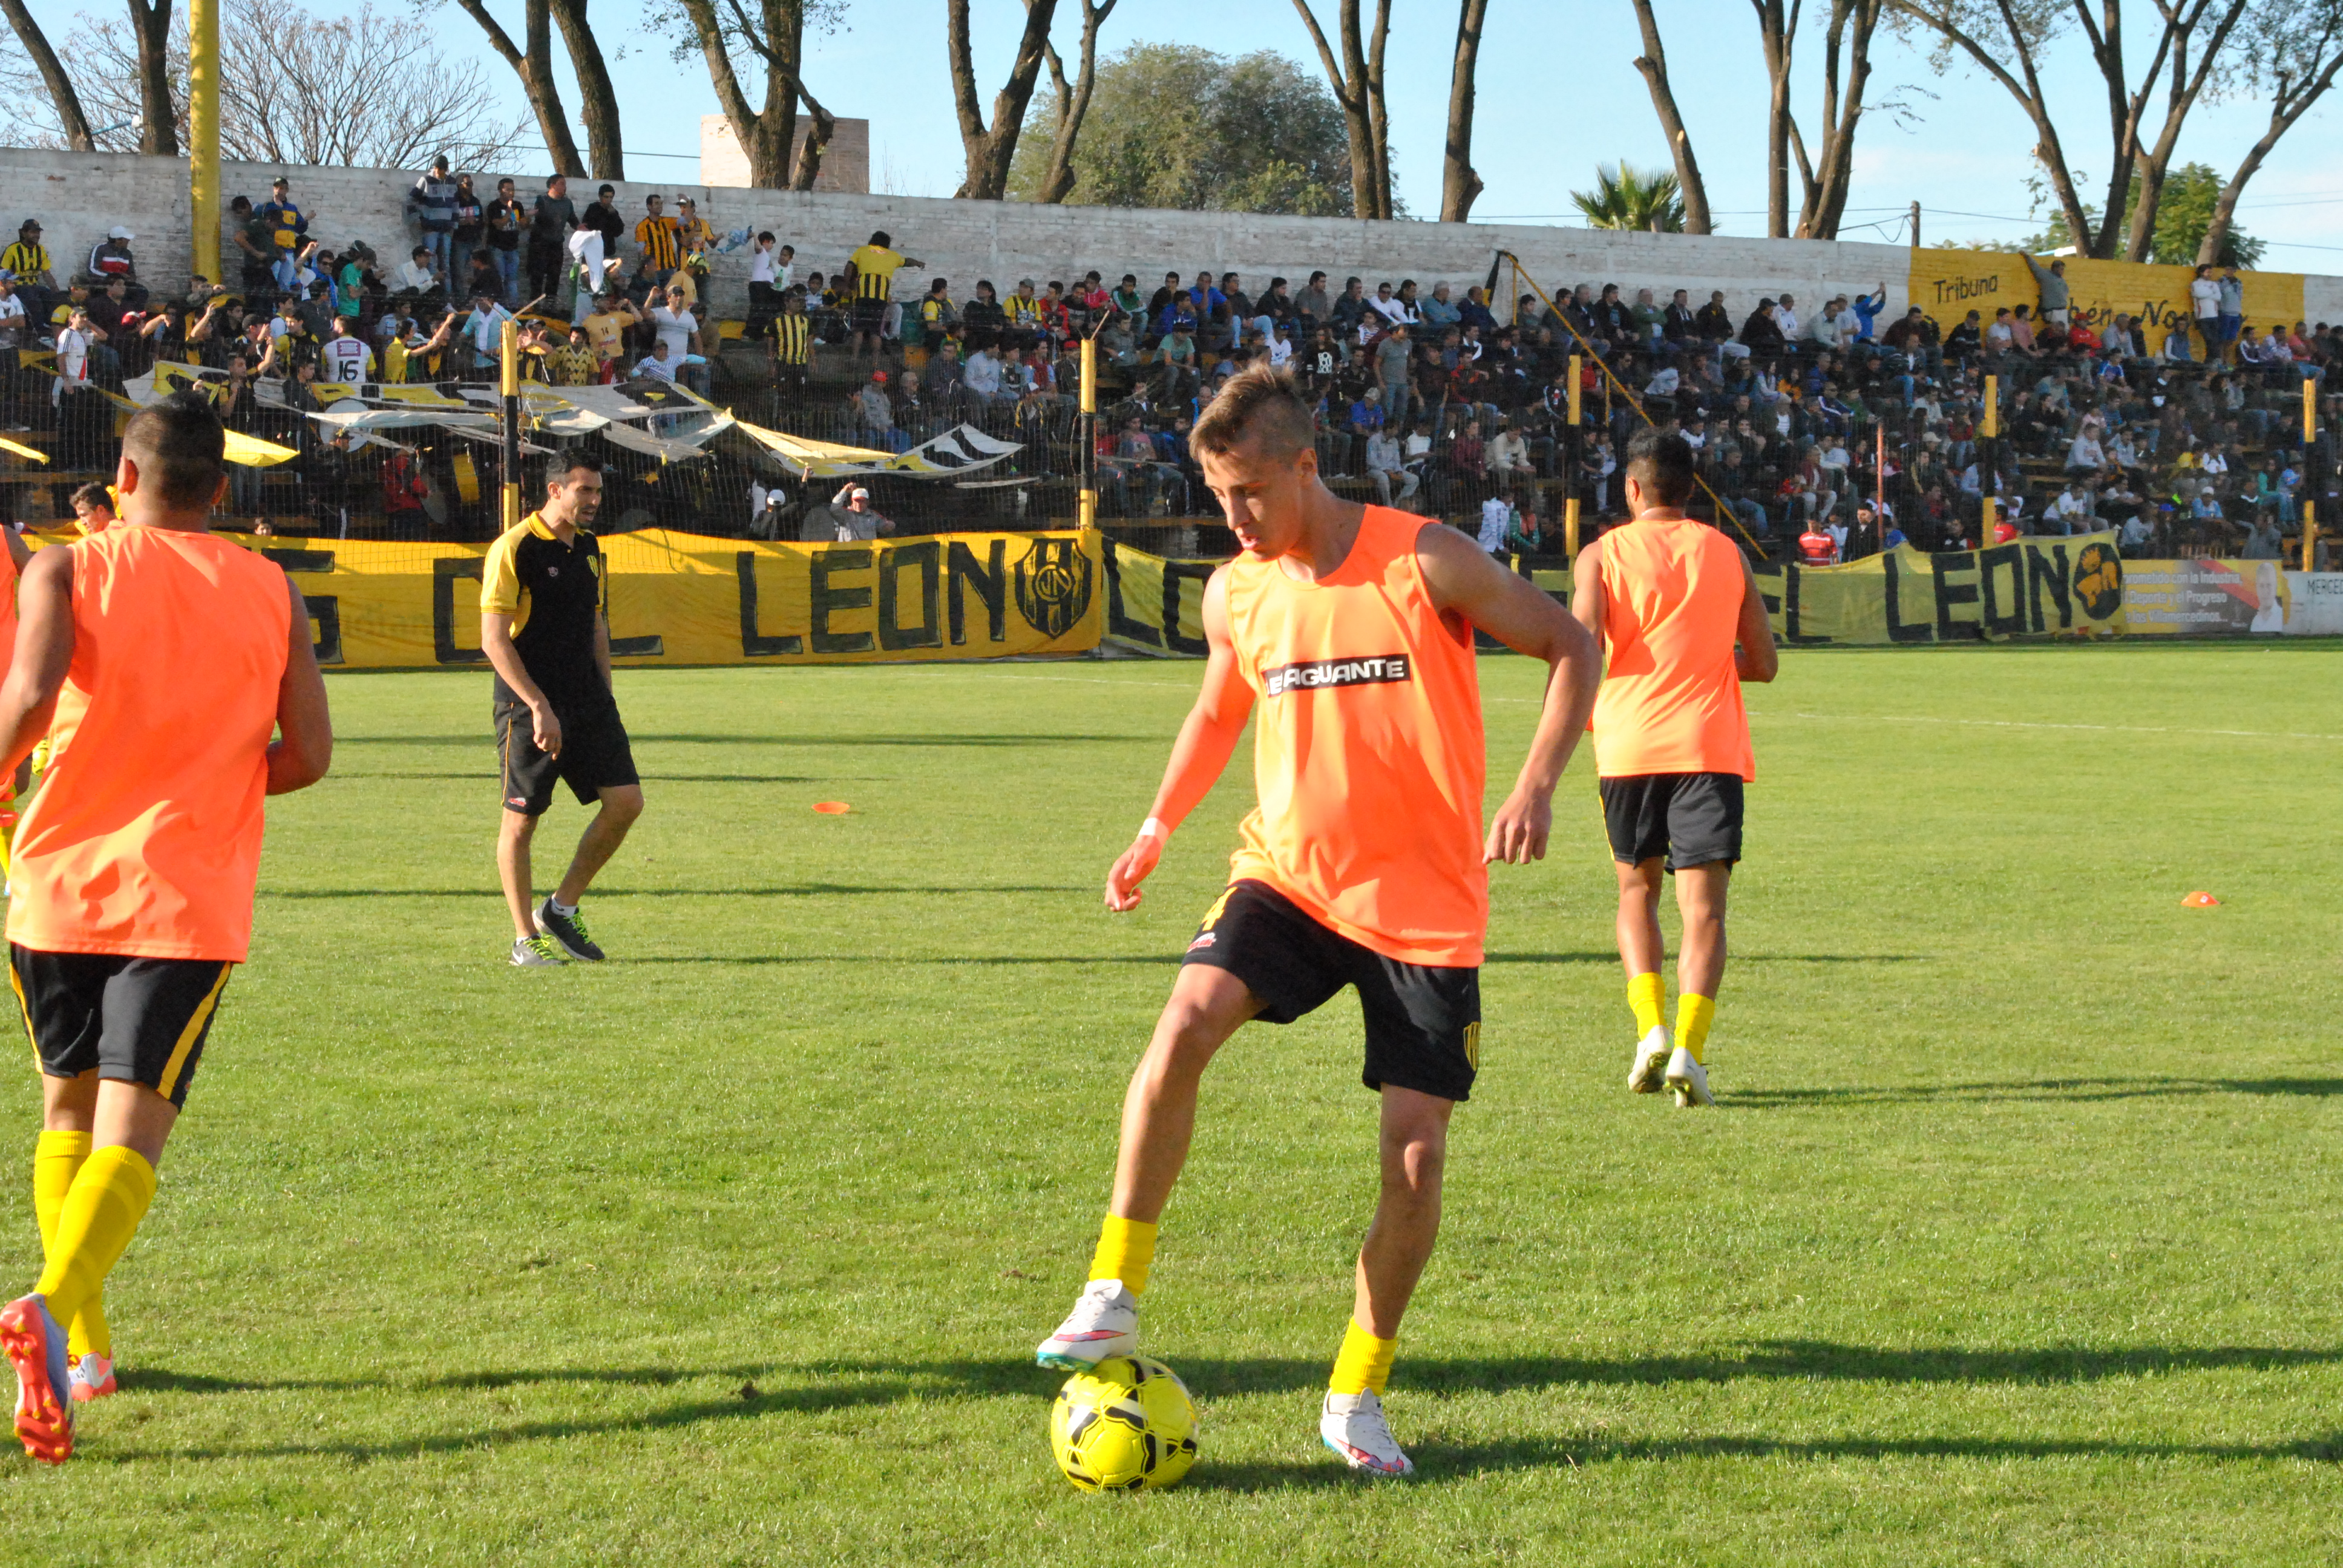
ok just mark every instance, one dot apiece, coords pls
pixel 158 116
pixel 817 138
pixel 532 61
pixel 774 37
pixel 2297 45
pixel 1654 63
pixel 296 88
pixel 1999 34
pixel 990 149
pixel 1778 28
pixel 1357 78
pixel 63 102
pixel 1072 103
pixel 598 101
pixel 1460 183
pixel 1846 44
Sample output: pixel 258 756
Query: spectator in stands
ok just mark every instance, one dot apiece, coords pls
pixel 875 265
pixel 344 356
pixel 431 206
pixel 2232 299
pixel 1761 333
pixel 658 244
pixel 551 217
pixel 416 282
pixel 1387 465
pixel 1313 305
pixel 504 222
pixel 27 262
pixel 110 258
pixel 1392 371
pixel 695 241
pixel 851 515
pixel 572 362
pixel 606 324
pixel 593 247
pixel 674 325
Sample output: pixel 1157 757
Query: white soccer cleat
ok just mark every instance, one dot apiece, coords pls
pixel 92 1377
pixel 1104 1322
pixel 1352 1425
pixel 1649 1075
pixel 1689 1078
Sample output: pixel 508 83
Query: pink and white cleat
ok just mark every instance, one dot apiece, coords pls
pixel 1104 1322
pixel 1352 1425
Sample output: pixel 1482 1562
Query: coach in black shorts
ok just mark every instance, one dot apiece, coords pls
pixel 544 626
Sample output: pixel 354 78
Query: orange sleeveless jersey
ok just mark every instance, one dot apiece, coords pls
pixel 1367 748
pixel 1670 701
pixel 144 837
pixel 8 580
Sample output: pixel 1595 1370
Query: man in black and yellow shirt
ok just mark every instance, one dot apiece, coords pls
pixel 661 239
pixel 544 626
pixel 875 265
pixel 792 338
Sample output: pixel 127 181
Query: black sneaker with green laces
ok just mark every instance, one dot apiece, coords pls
pixel 568 931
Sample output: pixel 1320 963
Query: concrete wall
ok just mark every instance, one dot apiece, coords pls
pixel 845 157
pixel 78 196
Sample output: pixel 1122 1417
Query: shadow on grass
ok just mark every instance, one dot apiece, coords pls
pixel 484 737
pixel 821 1387
pixel 476 775
pixel 798 891
pixel 2044 1089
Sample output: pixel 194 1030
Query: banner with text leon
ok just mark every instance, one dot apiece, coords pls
pixel 684 599
pixel 2027 587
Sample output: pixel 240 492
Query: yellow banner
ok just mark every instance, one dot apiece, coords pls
pixel 2028 588
pixel 1949 284
pixel 684 599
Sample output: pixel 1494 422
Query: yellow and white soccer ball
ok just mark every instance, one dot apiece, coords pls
pixel 1125 1425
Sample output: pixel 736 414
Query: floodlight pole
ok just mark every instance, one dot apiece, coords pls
pixel 508 347
pixel 204 135
pixel 1086 512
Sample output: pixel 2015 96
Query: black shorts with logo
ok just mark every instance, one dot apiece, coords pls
pixel 136 1020
pixel 595 755
pixel 1423 1021
pixel 1692 819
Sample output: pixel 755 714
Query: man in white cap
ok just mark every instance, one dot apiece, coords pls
pixel 851 518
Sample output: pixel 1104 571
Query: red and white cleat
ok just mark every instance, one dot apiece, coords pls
pixel 93 1378
pixel 1352 1425
pixel 34 1345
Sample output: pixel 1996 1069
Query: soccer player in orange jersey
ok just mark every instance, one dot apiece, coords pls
pixel 1678 612
pixel 161 658
pixel 1346 632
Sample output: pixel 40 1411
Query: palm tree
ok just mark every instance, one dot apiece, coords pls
pixel 1637 199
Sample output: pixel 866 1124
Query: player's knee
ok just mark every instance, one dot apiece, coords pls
pixel 1413 1161
pixel 621 807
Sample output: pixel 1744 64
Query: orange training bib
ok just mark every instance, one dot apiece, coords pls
pixel 1670 701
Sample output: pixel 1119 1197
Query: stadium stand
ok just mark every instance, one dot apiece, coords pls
pixel 1837 416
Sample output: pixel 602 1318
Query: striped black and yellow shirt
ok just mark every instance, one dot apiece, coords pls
pixel 792 338
pixel 874 271
pixel 661 240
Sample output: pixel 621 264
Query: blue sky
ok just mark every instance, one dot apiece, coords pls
pixel 1559 94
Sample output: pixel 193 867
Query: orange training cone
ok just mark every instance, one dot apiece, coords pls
pixel 832 807
pixel 2199 900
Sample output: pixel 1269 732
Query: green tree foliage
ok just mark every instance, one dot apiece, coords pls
pixel 2181 219
pixel 1634 198
pixel 1173 126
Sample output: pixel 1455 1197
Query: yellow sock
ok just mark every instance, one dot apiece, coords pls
pixel 1126 1252
pixel 1694 1015
pixel 1364 1363
pixel 1644 995
pixel 56 1162
pixel 99 1216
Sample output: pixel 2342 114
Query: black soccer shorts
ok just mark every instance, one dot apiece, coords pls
pixel 1692 819
pixel 1423 1021
pixel 136 1020
pixel 595 756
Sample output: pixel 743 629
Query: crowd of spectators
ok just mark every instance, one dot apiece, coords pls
pixel 2182 433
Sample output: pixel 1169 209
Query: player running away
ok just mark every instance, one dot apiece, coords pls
pixel 546 627
pixel 1350 628
pixel 165 657
pixel 1678 612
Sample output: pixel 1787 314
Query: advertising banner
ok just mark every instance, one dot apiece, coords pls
pixel 2028 588
pixel 2188 598
pixel 2314 603
pixel 1949 284
pixel 684 599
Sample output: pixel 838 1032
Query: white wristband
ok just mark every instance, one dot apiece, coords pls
pixel 1153 827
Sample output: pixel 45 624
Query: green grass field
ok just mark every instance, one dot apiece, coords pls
pixel 2013 1241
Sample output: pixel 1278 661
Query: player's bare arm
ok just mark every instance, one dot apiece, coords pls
pixel 1466 581
pixel 45 649
pixel 1207 740
pixel 497 642
pixel 1754 656
pixel 1586 606
pixel 304 748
